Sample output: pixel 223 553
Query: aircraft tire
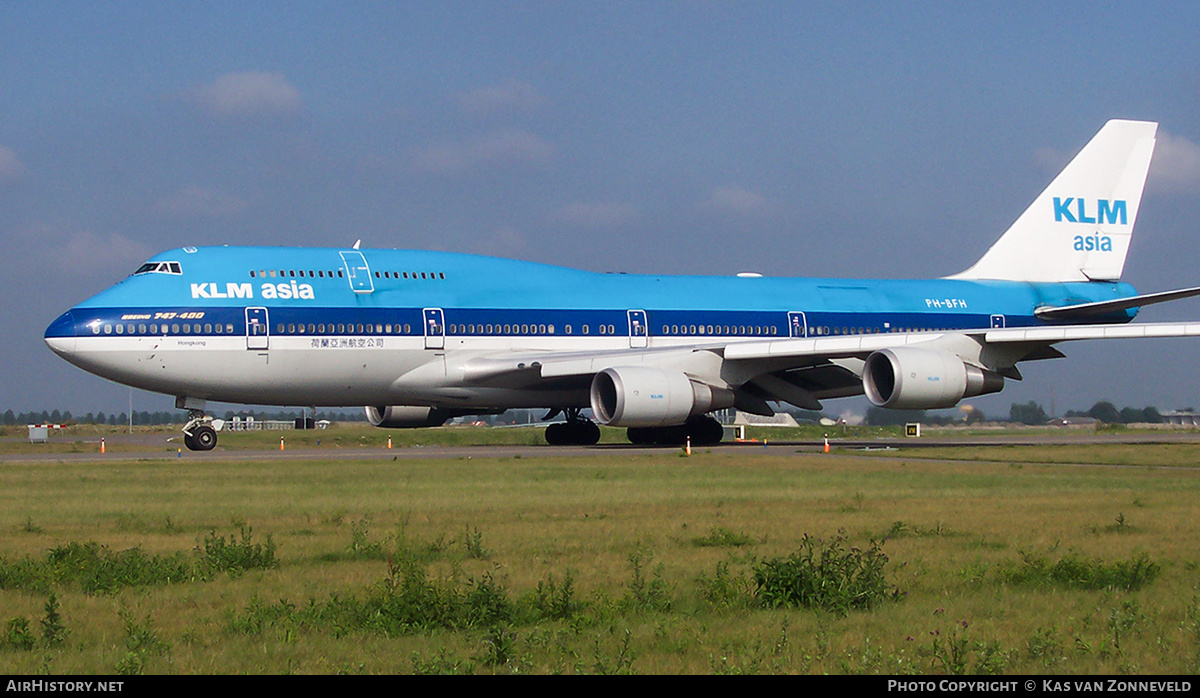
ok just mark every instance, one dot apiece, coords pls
pixel 671 436
pixel 582 433
pixel 705 431
pixel 586 433
pixel 640 436
pixel 204 438
pixel 556 434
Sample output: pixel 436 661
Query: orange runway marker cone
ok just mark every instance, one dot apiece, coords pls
pixel 102 445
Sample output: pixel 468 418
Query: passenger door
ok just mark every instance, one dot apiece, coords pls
pixel 357 271
pixel 435 328
pixel 639 333
pixel 258 329
pixel 797 325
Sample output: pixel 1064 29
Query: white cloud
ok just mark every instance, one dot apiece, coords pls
pixel 198 202
pixel 1051 160
pixel 505 241
pixel 11 167
pixel 508 96
pixel 1174 169
pixel 495 149
pixel 736 199
pixel 595 215
pixel 1176 165
pixel 247 94
pixel 82 253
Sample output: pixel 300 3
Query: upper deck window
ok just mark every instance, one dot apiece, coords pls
pixel 159 268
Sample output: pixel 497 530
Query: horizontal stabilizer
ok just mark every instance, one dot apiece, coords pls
pixel 1086 310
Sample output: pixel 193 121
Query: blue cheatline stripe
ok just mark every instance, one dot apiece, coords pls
pixel 292 320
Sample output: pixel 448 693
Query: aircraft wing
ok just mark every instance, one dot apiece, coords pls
pixel 563 364
pixel 802 371
pixel 550 364
pixel 1066 333
pixel 863 345
pixel 797 352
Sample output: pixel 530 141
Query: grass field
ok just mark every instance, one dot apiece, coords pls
pixel 606 564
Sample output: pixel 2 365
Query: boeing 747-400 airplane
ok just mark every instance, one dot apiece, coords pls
pixel 420 337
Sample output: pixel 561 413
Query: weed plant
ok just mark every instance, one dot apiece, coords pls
pixel 830 575
pixel 556 600
pixel 1075 571
pixel 19 635
pixel 95 569
pixel 237 555
pixel 720 537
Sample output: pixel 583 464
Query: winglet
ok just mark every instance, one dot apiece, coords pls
pixel 1079 228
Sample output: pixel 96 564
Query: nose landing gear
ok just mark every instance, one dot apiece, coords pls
pixel 198 433
pixel 202 436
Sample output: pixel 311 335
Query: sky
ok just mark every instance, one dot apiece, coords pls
pixel 869 140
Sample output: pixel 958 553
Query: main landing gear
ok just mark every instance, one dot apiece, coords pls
pixel 576 431
pixel 198 433
pixel 702 430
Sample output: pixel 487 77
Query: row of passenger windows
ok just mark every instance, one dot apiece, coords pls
pixel 735 330
pixel 825 330
pixel 156 329
pixel 292 273
pixel 678 330
pixel 409 275
pixel 326 274
pixel 611 329
pixel 341 328
pixel 526 329
pixel 471 329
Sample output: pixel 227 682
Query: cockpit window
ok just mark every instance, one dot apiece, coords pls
pixel 159 268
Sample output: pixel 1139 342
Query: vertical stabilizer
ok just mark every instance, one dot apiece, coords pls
pixel 1079 228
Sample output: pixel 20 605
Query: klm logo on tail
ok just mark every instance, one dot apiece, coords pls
pixel 1113 212
pixel 1105 211
pixel 1095 242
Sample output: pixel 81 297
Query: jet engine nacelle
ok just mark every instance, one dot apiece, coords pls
pixel 909 378
pixel 407 417
pixel 642 396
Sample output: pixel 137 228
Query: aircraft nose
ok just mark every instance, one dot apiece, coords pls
pixel 60 335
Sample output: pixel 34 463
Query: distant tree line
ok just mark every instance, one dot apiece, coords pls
pixel 1108 413
pixel 1028 413
pixel 1103 411
pixel 146 418
pixel 880 417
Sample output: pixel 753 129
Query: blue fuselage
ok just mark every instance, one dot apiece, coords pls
pixel 320 293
